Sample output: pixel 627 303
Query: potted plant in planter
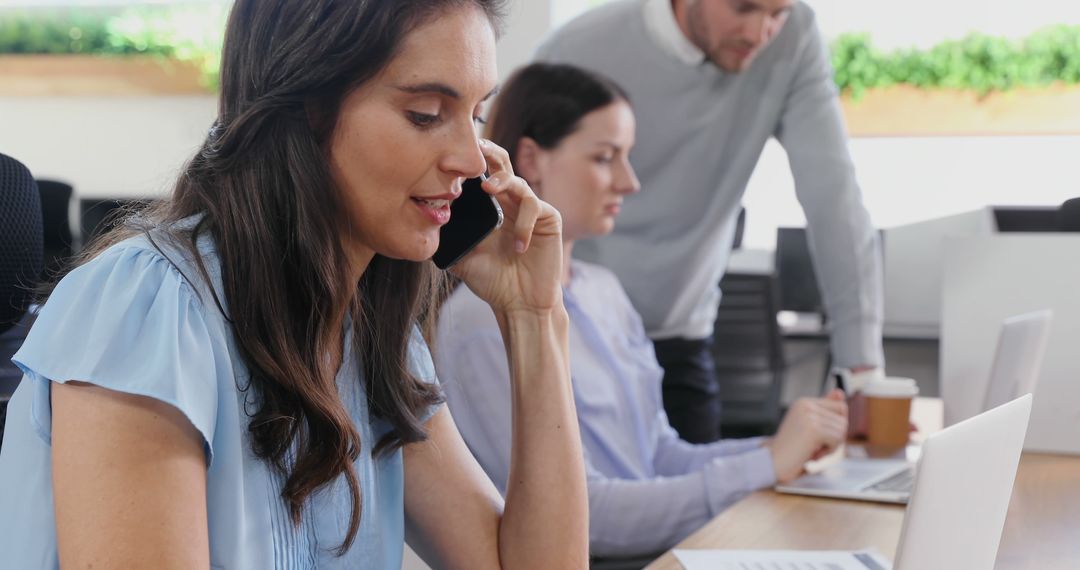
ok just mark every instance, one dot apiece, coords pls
pixel 978 85
pixel 144 51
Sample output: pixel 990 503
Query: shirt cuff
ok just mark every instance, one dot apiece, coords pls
pixel 737 446
pixel 857 344
pixel 728 479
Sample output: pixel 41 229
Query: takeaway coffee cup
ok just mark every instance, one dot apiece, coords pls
pixel 888 410
pixel 852 384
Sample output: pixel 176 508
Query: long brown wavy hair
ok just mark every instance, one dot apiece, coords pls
pixel 263 187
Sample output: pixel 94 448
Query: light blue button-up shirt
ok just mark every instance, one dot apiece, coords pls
pixel 647 488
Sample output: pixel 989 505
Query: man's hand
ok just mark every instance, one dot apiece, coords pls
pixel 811 428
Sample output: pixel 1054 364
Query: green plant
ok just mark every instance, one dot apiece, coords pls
pixel 185 34
pixel 52 32
pixel 977 62
pixel 192 34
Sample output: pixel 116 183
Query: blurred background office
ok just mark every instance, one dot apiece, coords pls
pixel 954 108
pixel 123 91
pixel 964 116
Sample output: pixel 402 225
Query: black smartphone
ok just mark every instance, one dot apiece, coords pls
pixel 473 215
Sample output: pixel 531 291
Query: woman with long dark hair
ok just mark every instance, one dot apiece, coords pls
pixel 237 379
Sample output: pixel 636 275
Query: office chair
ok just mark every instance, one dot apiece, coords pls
pixel 1025 219
pixel 98 216
pixel 800 293
pixel 740 228
pixel 21 251
pixel 56 223
pixel 1068 216
pixel 798 283
pixel 21 240
pixel 749 355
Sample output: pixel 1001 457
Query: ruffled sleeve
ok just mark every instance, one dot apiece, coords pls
pixel 128 321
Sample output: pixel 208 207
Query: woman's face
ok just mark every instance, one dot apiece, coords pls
pixel 405 139
pixel 586 176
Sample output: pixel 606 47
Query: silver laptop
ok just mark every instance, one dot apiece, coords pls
pixel 963 483
pixel 962 487
pixel 1018 357
pixel 887 480
pixel 1017 360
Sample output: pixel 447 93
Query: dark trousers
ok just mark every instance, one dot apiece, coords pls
pixel 690 388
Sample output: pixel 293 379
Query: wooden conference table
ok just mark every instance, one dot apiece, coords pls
pixel 1042 529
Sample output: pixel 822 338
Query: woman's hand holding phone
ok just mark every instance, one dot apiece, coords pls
pixel 518 267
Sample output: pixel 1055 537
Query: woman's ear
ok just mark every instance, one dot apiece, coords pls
pixel 529 157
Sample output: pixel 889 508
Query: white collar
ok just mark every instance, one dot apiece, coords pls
pixel 666 33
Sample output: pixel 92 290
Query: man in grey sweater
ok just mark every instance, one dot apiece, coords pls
pixel 711 81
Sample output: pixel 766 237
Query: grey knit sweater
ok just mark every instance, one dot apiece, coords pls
pixel 700 134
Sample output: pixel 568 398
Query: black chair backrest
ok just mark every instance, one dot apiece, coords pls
pixel 740 228
pixel 795 272
pixel 20 240
pixel 748 354
pixel 1069 216
pixel 56 222
pixel 1026 218
pixel 101 215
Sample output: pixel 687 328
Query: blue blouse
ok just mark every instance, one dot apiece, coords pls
pixel 129 321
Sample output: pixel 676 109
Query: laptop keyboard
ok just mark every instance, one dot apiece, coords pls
pixel 899 483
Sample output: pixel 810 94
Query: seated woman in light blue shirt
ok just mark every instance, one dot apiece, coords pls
pixel 569 133
pixel 236 378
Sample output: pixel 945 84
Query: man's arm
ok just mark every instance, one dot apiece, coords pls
pixel 843 241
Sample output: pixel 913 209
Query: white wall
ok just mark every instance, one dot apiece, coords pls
pixel 106 146
pixel 528 22
pixel 906 180
pixel 991 278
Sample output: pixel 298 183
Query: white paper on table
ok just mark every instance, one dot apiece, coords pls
pixel 782 560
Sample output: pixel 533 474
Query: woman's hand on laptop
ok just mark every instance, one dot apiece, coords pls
pixel 812 427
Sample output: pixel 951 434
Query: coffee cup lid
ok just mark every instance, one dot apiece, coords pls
pixel 891 388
